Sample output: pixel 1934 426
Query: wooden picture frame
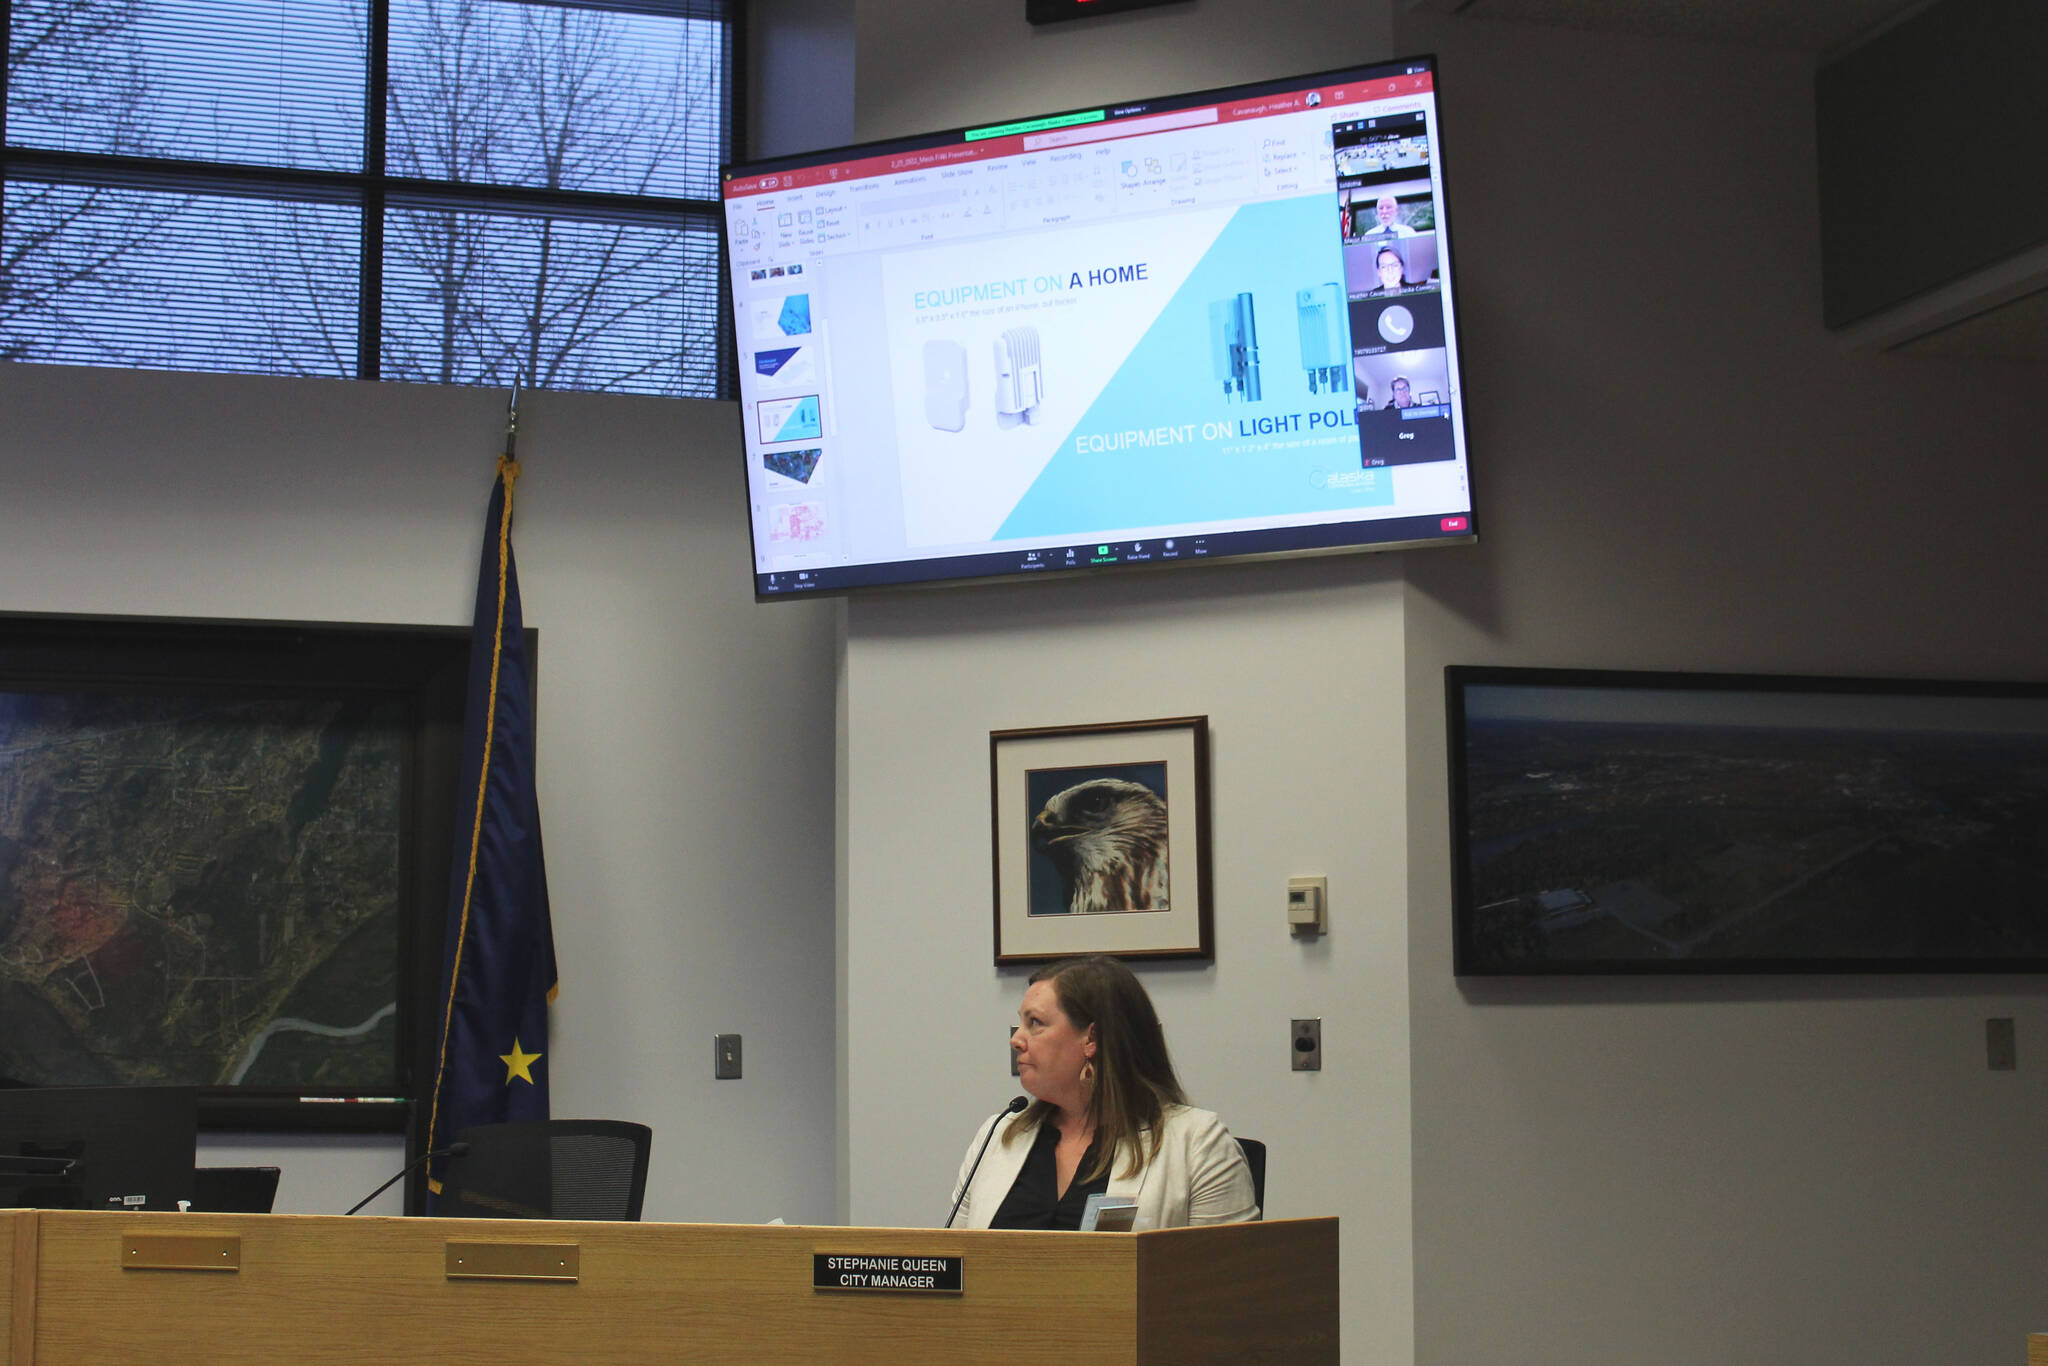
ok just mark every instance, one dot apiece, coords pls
pixel 1100 839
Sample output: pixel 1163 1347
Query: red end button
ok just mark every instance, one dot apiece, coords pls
pixel 1456 523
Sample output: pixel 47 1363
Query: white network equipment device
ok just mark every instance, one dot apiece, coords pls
pixel 1325 342
pixel 1020 382
pixel 1234 346
pixel 945 385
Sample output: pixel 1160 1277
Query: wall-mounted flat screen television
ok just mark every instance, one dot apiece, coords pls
pixel 1607 822
pixel 1174 330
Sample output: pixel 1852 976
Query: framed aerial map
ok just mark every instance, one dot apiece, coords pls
pixel 1607 822
pixel 223 855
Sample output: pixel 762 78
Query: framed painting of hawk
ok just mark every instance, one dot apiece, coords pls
pixel 1101 840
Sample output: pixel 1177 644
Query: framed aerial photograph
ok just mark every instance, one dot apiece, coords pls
pixel 1101 840
pixel 1607 822
pixel 224 853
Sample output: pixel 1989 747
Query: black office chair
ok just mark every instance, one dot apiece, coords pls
pixel 1255 1158
pixel 548 1169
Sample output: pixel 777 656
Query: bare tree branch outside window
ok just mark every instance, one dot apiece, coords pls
pixel 584 255
pixel 553 98
pixel 75 72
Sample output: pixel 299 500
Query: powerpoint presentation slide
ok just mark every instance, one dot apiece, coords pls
pixel 784 367
pixel 1390 265
pixel 1412 322
pixel 992 374
pixel 789 419
pixel 786 469
pixel 1152 372
pixel 1404 408
pixel 1401 208
pixel 796 526
pixel 781 315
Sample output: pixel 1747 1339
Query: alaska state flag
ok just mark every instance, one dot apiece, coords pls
pixel 499 972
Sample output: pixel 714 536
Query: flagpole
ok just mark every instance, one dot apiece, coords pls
pixel 512 422
pixel 498 974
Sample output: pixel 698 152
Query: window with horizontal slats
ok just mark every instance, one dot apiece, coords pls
pixel 180 281
pixel 474 298
pixel 451 191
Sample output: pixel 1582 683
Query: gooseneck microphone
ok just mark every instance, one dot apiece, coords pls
pixel 455 1149
pixel 1012 1108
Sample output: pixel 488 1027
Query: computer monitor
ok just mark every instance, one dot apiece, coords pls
pixel 97 1147
pixel 234 1190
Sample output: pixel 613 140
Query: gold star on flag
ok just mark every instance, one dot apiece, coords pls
pixel 518 1063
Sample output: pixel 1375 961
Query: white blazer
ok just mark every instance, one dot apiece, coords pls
pixel 1198 1176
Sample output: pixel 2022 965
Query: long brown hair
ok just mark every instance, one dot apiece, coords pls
pixel 1134 1080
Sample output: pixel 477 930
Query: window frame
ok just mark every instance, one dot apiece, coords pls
pixel 371 189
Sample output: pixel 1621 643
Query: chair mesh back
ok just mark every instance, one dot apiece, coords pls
pixel 548 1169
pixel 594 1176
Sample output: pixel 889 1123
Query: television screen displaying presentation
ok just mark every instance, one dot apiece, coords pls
pixel 1172 330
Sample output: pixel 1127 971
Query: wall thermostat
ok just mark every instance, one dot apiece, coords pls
pixel 1308 906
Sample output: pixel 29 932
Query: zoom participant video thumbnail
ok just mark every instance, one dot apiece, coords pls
pixel 1384 192
pixel 1399 368
pixel 1404 407
pixel 1411 323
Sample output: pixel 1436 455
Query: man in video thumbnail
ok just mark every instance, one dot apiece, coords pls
pixel 1412 425
pixel 1388 212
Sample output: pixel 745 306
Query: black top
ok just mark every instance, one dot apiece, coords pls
pixel 1034 1200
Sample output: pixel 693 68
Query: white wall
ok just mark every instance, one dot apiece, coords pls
pixel 921 65
pixel 1677 468
pixel 1296 666
pixel 799 94
pixel 1298 669
pixel 685 735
